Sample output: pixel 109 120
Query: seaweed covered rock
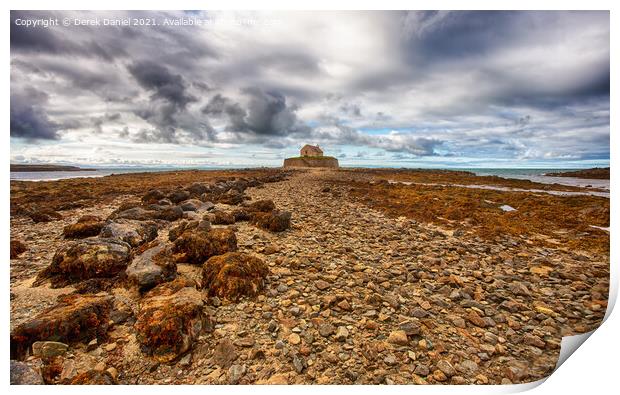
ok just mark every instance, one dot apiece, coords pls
pixel 170 320
pixel 74 318
pixel 176 231
pixel 241 214
pixel 191 205
pixel 219 217
pixel 178 196
pixel 43 215
pixel 233 275
pixel 86 259
pixel 93 377
pixel 264 206
pixel 153 196
pixel 18 247
pixel 132 213
pixel 197 245
pixel 134 233
pixel 197 189
pixel 274 221
pixel 171 213
pixel 86 226
pixel 154 266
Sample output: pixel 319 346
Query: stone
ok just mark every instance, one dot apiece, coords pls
pixel 467 367
pixel 23 374
pixel 170 320
pixel 294 339
pixel 518 288
pixel 154 266
pixel 533 340
pixel 75 318
pixel 321 285
pixel 341 334
pixel 86 226
pixel 234 275
pixel 298 363
pixel 110 347
pixel 475 319
pixel 132 232
pixel 446 367
pixel 86 259
pixel 224 353
pixel 422 370
pixel 274 221
pixel 197 245
pixel 235 373
pixel 398 337
pixel 326 329
pixel 48 349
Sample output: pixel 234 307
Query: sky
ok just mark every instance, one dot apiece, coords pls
pixel 403 89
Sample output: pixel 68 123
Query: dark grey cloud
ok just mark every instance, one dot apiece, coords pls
pixel 28 117
pixel 164 84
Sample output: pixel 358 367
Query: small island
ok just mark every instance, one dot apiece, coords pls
pixel 311 156
pixel 597 173
pixel 29 168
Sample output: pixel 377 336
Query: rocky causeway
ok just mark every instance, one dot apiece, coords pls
pixel 300 277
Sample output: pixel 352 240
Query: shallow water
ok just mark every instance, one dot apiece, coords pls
pixel 508 189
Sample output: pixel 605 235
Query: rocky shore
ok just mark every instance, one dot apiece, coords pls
pixel 298 277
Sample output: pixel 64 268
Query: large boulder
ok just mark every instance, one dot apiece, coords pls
pixel 74 318
pixel 86 226
pixel 231 197
pixel 134 233
pixel 154 266
pixel 87 259
pixel 233 275
pixel 170 320
pixel 274 221
pixel 197 245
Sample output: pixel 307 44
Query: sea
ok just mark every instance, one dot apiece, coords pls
pixel 536 175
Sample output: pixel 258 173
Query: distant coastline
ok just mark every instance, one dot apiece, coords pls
pixel 31 168
pixel 597 173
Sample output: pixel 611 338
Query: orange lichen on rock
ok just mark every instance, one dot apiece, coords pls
pixel 74 318
pixel 86 259
pixel 233 275
pixel 197 245
pixel 86 226
pixel 170 320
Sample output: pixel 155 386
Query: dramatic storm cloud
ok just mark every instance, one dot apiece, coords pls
pixel 249 88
